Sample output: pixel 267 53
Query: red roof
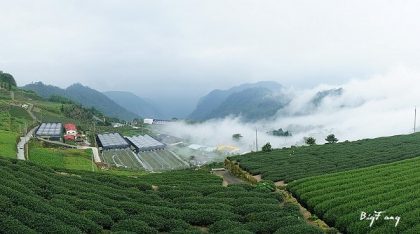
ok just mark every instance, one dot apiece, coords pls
pixel 69 137
pixel 70 127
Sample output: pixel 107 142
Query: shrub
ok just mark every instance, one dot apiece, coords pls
pixel 103 220
pixel 131 225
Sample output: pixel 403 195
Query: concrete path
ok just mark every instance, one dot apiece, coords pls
pixel 23 141
pixel 29 110
pixel 57 143
pixel 95 151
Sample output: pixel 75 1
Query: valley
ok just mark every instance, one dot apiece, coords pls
pixel 156 171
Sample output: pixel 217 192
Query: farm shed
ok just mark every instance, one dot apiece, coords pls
pixel 70 129
pixel 50 131
pixel 145 143
pixel 111 141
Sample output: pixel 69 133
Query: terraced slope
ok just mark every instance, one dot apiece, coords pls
pixel 340 198
pixel 300 162
pixel 36 199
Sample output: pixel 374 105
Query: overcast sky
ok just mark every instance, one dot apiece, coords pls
pixel 183 49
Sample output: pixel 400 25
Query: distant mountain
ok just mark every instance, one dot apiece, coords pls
pixel 250 101
pixel 84 95
pixel 134 103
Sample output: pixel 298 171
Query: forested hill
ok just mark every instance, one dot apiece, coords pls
pixel 84 95
pixel 262 100
pixel 252 101
pixel 7 81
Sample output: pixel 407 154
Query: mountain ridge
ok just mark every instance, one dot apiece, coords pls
pixel 84 95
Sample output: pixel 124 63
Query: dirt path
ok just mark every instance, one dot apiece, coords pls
pixel 228 178
pixel 280 183
pixel 288 197
pixel 306 214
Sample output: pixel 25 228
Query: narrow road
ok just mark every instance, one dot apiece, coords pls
pixel 95 151
pixel 57 143
pixel 29 110
pixel 23 141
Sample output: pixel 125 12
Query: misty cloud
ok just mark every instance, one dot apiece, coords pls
pixel 379 106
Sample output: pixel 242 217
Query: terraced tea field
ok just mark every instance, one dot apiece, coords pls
pixel 38 199
pixel 340 198
pixel 300 162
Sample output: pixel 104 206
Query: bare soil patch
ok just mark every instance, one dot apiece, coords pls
pixel 280 183
pixel 228 178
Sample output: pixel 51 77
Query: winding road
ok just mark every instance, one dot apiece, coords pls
pixel 23 141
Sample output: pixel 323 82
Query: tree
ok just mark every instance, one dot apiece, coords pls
pixel 7 80
pixel 310 140
pixel 331 139
pixel 267 147
pixel 193 161
pixel 236 136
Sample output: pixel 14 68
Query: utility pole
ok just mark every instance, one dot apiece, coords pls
pixel 256 140
pixel 415 118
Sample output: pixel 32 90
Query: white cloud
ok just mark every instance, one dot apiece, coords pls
pixel 162 48
pixel 387 109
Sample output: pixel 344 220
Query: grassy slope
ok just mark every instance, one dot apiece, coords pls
pixel 8 144
pixel 61 158
pixel 40 199
pixel 340 198
pixel 299 162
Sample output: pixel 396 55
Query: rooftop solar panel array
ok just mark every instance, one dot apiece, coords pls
pixel 112 141
pixel 50 129
pixel 146 142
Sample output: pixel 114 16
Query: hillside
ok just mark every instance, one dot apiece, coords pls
pixel 262 100
pixel 250 104
pixel 40 199
pixel 84 95
pixel 217 103
pixel 135 104
pixel 300 162
pixel 341 197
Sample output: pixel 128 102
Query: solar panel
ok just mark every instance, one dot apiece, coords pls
pixel 112 140
pixel 50 129
pixel 145 142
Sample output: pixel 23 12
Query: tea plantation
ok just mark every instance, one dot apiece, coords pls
pixel 300 162
pixel 340 198
pixel 38 199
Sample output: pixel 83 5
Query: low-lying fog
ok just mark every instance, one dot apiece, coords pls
pixel 382 105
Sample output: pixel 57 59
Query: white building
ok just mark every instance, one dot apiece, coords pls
pixel 148 121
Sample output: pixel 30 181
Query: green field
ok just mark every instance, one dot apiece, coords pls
pixel 8 144
pixel 340 198
pixel 300 162
pixel 62 158
pixel 37 199
pixel 162 160
pixel 121 158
